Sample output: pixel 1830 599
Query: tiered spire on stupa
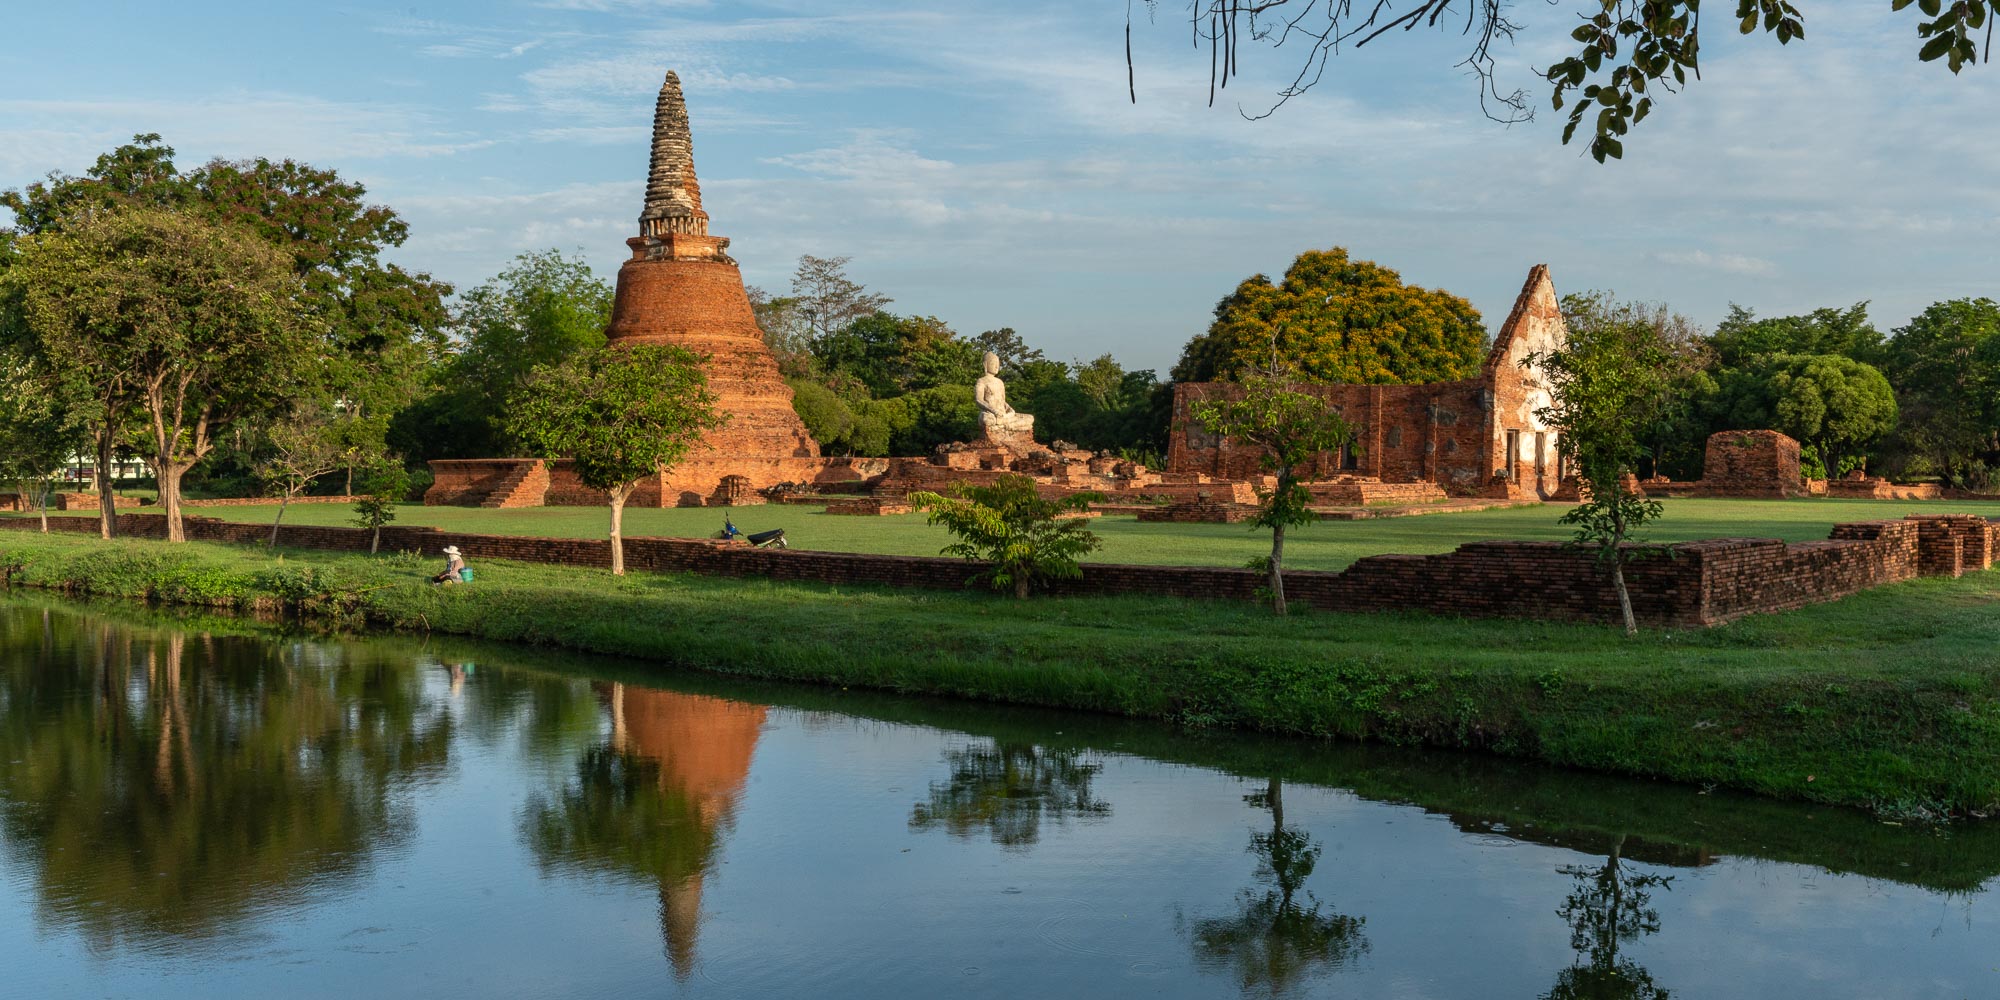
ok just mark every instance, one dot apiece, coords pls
pixel 673 196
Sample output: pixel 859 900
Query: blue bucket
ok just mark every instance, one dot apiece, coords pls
pixel 465 575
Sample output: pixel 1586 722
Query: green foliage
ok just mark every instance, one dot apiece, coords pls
pixel 1835 405
pixel 204 323
pixel 1613 382
pixel 383 487
pixel 1628 52
pixel 543 310
pixel 618 414
pixel 1338 319
pixel 377 324
pixel 1022 536
pixel 1945 366
pixel 1742 338
pixel 836 424
pixel 1290 429
pixel 896 355
pixel 1899 681
pixel 917 422
pixel 38 427
pixel 1097 405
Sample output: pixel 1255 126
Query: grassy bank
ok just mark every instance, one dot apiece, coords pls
pixel 1328 545
pixel 1889 700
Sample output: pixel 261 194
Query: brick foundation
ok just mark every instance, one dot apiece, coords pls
pixel 1706 583
pixel 87 501
pixel 1202 508
pixel 263 501
pixel 1751 464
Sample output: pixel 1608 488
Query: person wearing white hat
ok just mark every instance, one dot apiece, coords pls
pixel 454 566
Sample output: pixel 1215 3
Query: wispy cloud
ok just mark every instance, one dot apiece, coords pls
pixel 1732 263
pixel 232 125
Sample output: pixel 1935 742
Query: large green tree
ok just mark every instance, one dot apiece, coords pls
pixel 619 414
pixel 894 355
pixel 1945 366
pixel 1835 406
pixel 1621 55
pixel 378 325
pixel 1334 318
pixel 543 310
pixel 203 320
pixel 1742 337
pixel 1289 429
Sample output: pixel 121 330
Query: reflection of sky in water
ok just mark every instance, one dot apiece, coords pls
pixel 820 886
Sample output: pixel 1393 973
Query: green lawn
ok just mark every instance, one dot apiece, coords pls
pixel 1889 698
pixel 1328 545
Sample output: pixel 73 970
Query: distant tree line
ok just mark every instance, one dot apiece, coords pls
pixel 869 382
pixel 237 326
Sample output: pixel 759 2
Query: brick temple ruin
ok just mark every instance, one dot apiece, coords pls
pixel 1434 446
pixel 1478 437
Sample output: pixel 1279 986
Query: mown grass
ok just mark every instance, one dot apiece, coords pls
pixel 1328 545
pixel 1889 699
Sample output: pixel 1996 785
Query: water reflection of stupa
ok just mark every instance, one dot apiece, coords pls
pixel 655 800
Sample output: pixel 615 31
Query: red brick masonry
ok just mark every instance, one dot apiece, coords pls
pixel 1704 583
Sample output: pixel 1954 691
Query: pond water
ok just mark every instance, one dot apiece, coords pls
pixel 204 807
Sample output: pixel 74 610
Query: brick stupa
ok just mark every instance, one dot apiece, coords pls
pixel 682 288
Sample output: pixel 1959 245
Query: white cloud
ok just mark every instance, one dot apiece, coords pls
pixel 234 125
pixel 1732 263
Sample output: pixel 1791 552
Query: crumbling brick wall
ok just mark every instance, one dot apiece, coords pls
pixel 1751 464
pixel 1463 436
pixel 1705 583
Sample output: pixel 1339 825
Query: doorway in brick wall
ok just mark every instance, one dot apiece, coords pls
pixel 1541 464
pixel 1511 460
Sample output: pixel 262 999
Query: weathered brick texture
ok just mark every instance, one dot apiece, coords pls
pixel 1751 464
pixel 1481 436
pixel 1703 583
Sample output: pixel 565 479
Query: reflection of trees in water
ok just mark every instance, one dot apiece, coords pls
pixel 1609 905
pixel 1278 937
pixel 167 784
pixel 652 803
pixel 1008 789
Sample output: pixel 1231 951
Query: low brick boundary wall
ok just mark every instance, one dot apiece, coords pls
pixel 264 501
pixel 1700 584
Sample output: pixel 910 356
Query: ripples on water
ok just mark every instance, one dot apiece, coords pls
pixel 206 809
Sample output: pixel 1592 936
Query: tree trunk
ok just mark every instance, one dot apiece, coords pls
pixel 1618 569
pixel 170 474
pixel 618 532
pixel 375 539
pixel 280 519
pixel 1020 586
pixel 1624 597
pixel 107 497
pixel 1278 568
pixel 43 506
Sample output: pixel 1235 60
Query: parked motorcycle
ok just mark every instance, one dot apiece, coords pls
pixel 760 539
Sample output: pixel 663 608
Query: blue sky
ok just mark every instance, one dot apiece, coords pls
pixel 981 162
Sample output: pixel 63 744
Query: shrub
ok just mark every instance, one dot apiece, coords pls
pixel 1023 537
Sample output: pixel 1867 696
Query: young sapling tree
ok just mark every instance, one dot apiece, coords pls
pixel 619 414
